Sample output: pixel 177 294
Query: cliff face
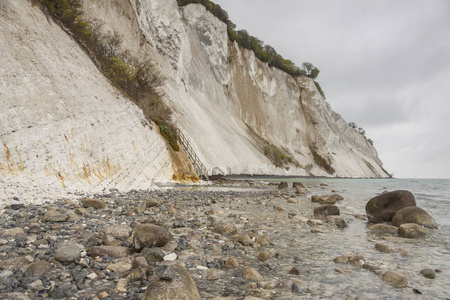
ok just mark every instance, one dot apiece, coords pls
pixel 62 123
pixel 230 104
pixel 63 127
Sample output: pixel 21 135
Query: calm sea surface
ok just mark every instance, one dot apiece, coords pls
pixel 433 195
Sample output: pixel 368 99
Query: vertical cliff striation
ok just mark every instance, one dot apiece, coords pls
pixel 238 111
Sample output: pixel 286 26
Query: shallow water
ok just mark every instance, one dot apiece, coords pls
pixel 317 251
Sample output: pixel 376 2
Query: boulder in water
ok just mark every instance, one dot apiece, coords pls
pixel 382 208
pixel 414 214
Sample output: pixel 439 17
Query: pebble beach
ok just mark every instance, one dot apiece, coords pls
pixel 229 240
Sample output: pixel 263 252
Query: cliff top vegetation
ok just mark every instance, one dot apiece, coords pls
pixel 264 52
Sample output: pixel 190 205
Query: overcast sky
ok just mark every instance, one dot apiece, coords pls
pixel 384 65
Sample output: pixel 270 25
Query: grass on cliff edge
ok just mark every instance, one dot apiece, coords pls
pixel 136 77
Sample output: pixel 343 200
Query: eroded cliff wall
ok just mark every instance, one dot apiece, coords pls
pixel 63 127
pixel 230 104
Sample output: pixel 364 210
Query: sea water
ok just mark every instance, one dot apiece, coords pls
pixel 410 255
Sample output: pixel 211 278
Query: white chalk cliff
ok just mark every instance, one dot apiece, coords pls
pixel 63 124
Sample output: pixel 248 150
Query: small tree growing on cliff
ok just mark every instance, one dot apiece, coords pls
pixel 310 70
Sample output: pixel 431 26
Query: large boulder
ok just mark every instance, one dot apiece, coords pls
pixel 414 214
pixel 383 207
pixel 181 287
pixel 149 235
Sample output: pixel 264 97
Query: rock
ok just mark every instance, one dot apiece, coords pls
pixel 13 296
pixel 382 248
pixel 323 184
pixel 280 208
pixel 121 285
pixel 291 200
pixel 149 235
pixel 180 287
pixel 428 273
pixel 15 263
pixel 296 289
pixel 113 251
pixel 231 263
pixel 243 238
pixel 283 185
pixel 153 254
pixel 14 231
pixel 110 234
pixel 412 231
pixel 94 203
pixel 314 222
pixel 382 208
pixel 342 223
pixel 54 216
pixel 165 272
pixel 294 271
pixel 315 198
pixel 341 260
pixel 395 279
pixel 137 274
pixel 383 229
pixel 299 191
pixel 225 229
pixel 372 267
pixel 38 268
pixel 68 253
pixel 330 199
pixel 298 185
pixel 214 274
pixel 36 285
pixel 152 203
pixel 414 214
pixel 252 275
pixel 264 240
pixel 81 211
pixel 326 210
pixel 263 256
pixel 120 267
pixel 140 262
pixel 170 257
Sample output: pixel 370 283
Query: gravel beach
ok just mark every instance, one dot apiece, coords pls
pixel 236 240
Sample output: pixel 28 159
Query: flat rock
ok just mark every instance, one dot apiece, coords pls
pixel 323 211
pixel 114 251
pixel 383 229
pixel 94 203
pixel 330 199
pixel 14 231
pixel 120 267
pixel 38 268
pixel 412 231
pixel 68 253
pixel 395 279
pixel 13 296
pixel 15 263
pixel 54 216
